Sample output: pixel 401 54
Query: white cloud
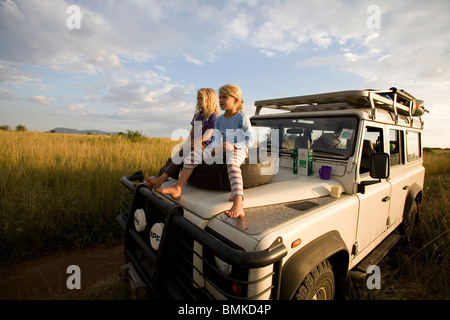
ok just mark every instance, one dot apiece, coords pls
pixel 268 53
pixel 6 94
pixel 35 32
pixel 322 39
pixel 76 106
pixel 40 99
pixel 113 61
pixel 192 60
pixel 10 73
pixel 116 33
pixel 409 48
pixel 239 26
pixel 289 25
pixel 91 112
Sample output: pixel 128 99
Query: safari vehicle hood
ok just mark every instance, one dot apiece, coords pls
pixel 285 187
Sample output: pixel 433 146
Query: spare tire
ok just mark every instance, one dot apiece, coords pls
pixel 215 176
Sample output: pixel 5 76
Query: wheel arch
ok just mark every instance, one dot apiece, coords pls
pixel 329 246
pixel 409 218
pixel 414 195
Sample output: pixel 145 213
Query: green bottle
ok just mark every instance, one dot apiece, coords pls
pixel 295 160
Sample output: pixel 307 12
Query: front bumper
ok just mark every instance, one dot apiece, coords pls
pixel 183 266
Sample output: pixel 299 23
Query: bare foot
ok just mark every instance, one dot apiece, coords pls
pixel 237 210
pixel 156 182
pixel 145 183
pixel 148 185
pixel 174 192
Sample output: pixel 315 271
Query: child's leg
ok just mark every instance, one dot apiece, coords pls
pixel 190 162
pixel 175 191
pixel 235 177
pixel 234 160
pixel 237 187
pixel 156 182
pixel 169 170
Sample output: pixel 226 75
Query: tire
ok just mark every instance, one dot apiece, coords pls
pixel 319 284
pixel 215 176
pixel 406 228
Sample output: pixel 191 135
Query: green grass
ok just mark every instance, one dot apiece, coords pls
pixel 62 190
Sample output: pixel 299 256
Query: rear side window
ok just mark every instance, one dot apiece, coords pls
pixel 396 147
pixel 413 145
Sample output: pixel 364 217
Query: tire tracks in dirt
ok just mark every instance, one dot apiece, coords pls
pixel 46 277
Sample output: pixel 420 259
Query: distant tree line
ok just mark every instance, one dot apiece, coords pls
pixel 19 128
pixel 134 136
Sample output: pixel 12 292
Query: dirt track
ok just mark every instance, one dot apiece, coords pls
pixel 45 278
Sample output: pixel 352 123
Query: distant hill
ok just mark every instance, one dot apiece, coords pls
pixel 75 131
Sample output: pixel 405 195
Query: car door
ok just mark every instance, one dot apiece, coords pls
pixel 399 177
pixel 375 201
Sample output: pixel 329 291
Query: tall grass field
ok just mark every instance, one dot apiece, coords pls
pixel 62 191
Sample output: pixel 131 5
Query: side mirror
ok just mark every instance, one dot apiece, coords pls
pixel 379 165
pixel 379 169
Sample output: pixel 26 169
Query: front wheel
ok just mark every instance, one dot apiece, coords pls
pixel 319 284
pixel 406 228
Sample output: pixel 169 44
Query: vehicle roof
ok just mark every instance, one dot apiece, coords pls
pixel 382 116
pixel 392 106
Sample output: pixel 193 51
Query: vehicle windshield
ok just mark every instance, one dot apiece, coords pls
pixel 327 136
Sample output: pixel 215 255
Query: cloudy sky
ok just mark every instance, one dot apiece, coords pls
pixel 137 65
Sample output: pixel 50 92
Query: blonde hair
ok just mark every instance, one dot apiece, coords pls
pixel 209 102
pixel 235 92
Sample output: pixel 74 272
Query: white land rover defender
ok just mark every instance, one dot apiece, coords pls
pixel 297 239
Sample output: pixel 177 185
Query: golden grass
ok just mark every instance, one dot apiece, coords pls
pixel 62 190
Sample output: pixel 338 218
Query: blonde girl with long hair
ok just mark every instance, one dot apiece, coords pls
pixel 207 111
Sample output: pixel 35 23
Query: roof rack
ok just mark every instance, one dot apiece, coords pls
pixel 397 101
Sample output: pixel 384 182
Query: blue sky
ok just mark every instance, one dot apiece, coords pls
pixel 137 65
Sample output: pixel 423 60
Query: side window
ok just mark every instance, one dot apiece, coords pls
pixel 413 145
pixel 372 143
pixel 396 147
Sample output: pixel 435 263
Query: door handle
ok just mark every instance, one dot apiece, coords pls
pixel 386 199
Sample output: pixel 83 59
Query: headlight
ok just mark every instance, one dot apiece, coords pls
pixel 140 222
pixel 224 267
pixel 156 235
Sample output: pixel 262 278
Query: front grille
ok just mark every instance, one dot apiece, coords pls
pixel 127 193
pixel 184 267
pixel 126 200
pixel 192 266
